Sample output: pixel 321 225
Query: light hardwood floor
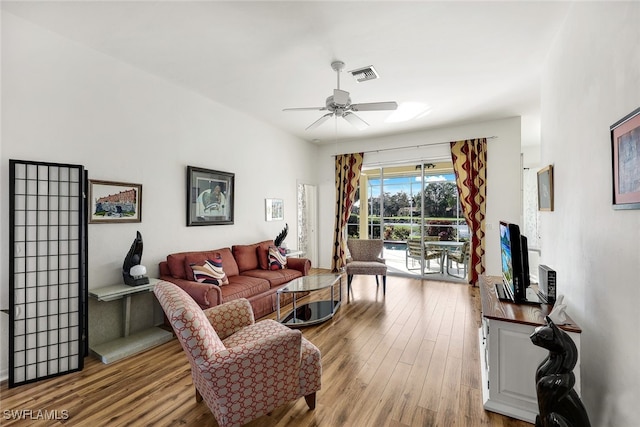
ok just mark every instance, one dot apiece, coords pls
pixel 408 359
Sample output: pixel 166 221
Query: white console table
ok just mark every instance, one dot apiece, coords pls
pixel 508 358
pixel 294 253
pixel 128 344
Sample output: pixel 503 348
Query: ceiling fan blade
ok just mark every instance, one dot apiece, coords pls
pixel 355 120
pixel 375 106
pixel 320 121
pixel 305 109
pixel 340 97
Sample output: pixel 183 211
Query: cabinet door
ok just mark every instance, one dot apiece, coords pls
pixel 47 270
pixel 518 362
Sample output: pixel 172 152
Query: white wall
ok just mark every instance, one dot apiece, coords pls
pixel 592 79
pixel 503 174
pixel 65 103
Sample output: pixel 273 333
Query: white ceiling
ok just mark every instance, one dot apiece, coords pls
pixel 469 61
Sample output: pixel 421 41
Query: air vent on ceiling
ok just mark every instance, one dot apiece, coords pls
pixel 364 74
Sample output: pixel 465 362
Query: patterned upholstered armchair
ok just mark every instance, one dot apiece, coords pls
pixel 241 369
pixel 365 259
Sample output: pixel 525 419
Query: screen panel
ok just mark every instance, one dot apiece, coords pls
pixel 47 277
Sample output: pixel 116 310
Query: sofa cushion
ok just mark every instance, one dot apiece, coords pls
pixel 229 262
pixel 277 258
pixel 175 262
pixel 275 277
pixel 247 255
pixel 243 287
pixel 263 253
pixel 210 272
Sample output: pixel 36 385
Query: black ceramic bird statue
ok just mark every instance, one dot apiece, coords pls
pixel 283 235
pixel 134 257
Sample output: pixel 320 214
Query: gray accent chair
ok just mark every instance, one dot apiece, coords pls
pixel 365 258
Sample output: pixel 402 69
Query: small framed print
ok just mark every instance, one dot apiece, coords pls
pixel 545 189
pixel 210 196
pixel 625 152
pixel 274 209
pixel 112 202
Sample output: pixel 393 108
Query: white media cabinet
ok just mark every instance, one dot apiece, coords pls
pixel 508 358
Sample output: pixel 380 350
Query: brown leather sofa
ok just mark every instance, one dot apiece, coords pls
pixel 247 268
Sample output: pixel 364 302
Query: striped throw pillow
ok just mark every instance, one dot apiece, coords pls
pixel 277 258
pixel 211 272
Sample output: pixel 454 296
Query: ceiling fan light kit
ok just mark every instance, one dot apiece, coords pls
pixel 339 104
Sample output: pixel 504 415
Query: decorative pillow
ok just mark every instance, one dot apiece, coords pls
pixel 277 258
pixel 263 253
pixel 211 272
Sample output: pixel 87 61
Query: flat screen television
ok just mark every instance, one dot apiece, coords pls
pixel 514 258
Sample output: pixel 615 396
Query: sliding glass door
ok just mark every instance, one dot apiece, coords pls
pixel 409 206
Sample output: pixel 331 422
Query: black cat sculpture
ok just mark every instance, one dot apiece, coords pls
pixel 558 402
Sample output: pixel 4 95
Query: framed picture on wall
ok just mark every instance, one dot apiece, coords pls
pixel 210 196
pixel 113 202
pixel 625 152
pixel 545 189
pixel 274 209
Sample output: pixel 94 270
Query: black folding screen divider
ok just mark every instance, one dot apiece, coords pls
pixel 47 270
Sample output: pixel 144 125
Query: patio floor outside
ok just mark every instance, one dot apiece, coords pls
pixel 395 254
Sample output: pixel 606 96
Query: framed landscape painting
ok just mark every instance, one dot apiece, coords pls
pixel 210 196
pixel 625 153
pixel 113 202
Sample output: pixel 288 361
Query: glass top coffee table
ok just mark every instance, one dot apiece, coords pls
pixel 314 311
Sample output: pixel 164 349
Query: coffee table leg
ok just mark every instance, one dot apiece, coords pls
pixel 333 304
pixel 295 312
pixel 278 306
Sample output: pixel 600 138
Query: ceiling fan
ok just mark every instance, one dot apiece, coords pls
pixel 339 105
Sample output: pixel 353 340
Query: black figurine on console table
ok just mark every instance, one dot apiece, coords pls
pixel 280 237
pixel 558 402
pixel 132 272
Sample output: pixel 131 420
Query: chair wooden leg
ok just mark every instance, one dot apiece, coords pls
pixel 377 283
pixel 311 400
pixel 384 285
pixel 198 396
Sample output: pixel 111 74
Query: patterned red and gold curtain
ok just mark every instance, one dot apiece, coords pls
pixel 348 167
pixel 470 166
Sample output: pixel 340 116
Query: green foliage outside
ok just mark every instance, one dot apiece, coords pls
pixel 440 209
pixel 440 201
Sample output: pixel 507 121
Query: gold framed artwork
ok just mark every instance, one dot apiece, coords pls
pixel 545 189
pixel 113 202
